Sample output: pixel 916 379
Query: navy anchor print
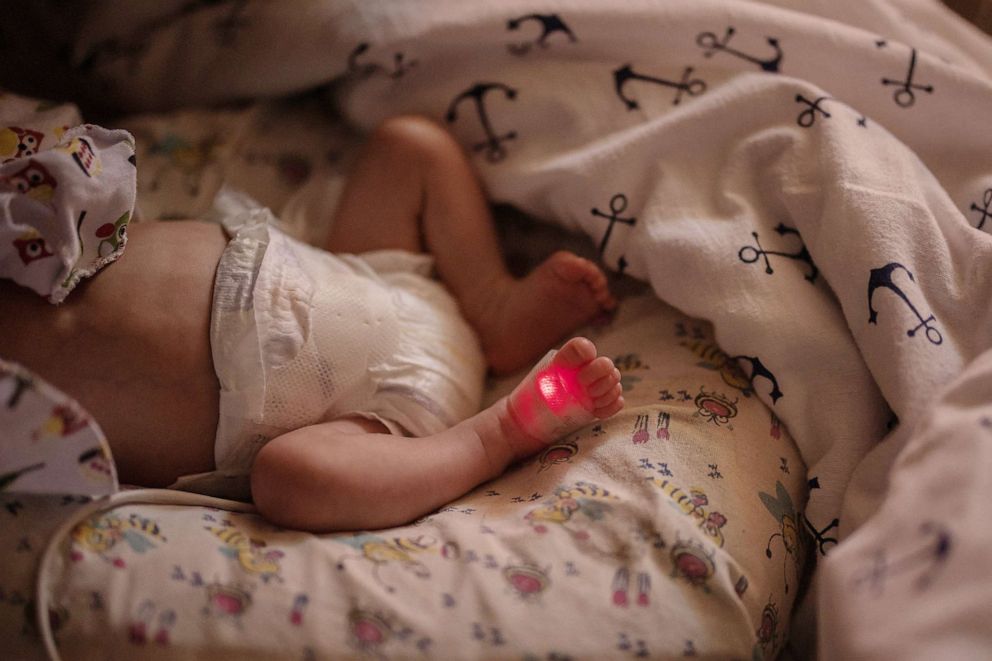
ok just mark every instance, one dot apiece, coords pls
pixel 986 214
pixel 905 93
pixel 711 45
pixel 751 254
pixel 366 69
pixel 550 24
pixel 493 144
pixel 626 73
pixel 758 369
pixel 882 277
pixel 618 204
pixel 807 117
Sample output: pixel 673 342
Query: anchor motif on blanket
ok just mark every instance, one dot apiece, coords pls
pixel 493 144
pixel 366 69
pixel 807 117
pixel 882 277
pixel 758 369
pixel 822 541
pixel 711 45
pixel 692 86
pixel 751 254
pixel 618 204
pixel 986 214
pixel 550 24
pixel 930 554
pixel 905 96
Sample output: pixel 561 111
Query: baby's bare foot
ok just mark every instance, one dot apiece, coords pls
pixel 561 394
pixel 527 316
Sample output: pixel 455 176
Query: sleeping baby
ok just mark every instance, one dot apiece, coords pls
pixel 230 359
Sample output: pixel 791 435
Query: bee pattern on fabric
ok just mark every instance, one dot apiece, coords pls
pixel 713 358
pixel 101 535
pixel 383 552
pixel 584 497
pixel 694 504
pixel 781 508
pixel 251 554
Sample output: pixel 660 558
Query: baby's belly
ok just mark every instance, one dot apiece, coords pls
pixel 132 346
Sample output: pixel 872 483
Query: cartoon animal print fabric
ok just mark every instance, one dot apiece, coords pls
pixel 49 443
pixel 655 533
pixel 67 192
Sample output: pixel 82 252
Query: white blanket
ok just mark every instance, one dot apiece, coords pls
pixel 814 178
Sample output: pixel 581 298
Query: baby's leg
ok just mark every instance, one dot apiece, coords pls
pixel 350 475
pixel 414 188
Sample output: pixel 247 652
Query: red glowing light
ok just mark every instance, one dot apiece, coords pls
pixel 558 387
pixel 551 390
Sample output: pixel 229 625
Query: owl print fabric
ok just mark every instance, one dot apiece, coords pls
pixel 49 443
pixel 67 192
pixel 672 529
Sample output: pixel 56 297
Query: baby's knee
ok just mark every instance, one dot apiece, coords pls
pixel 415 136
pixel 275 479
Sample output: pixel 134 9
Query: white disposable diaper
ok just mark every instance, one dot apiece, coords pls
pixel 300 336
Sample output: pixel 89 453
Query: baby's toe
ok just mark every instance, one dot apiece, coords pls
pixel 609 409
pixel 603 385
pixel 595 370
pixel 575 353
pixel 607 398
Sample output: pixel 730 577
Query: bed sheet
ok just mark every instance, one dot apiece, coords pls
pixel 673 528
